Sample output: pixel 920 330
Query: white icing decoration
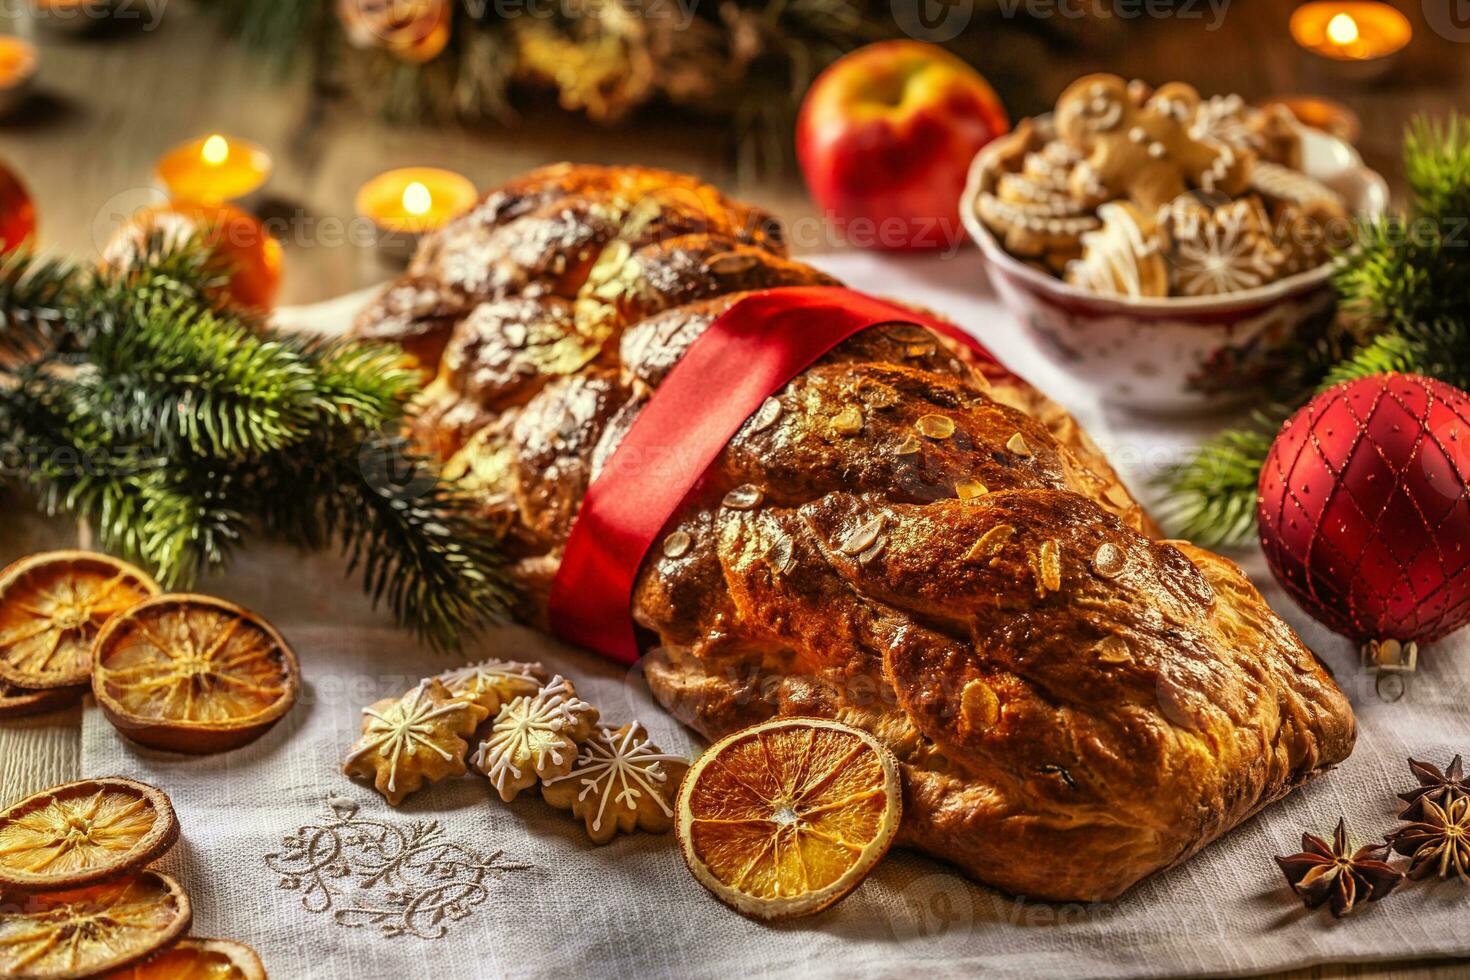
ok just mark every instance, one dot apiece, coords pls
pixel 1219 169
pixel 1286 184
pixel 1221 256
pixel 1177 108
pixel 1226 119
pixel 1157 151
pixel 488 673
pixel 1035 217
pixel 621 767
pixel 529 728
pixel 1092 184
pixel 1111 262
pixel 1137 135
pixel 401 728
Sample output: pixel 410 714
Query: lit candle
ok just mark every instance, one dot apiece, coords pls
pixel 214 170
pixel 405 204
pixel 18 62
pixel 1361 35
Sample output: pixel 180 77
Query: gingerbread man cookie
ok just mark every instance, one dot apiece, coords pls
pixel 621 781
pixel 534 737
pixel 417 738
pixel 1143 152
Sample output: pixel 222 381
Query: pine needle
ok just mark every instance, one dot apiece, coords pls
pixel 1213 492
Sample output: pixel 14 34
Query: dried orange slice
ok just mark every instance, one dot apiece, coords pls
pixel 197 959
pixel 786 817
pixel 191 673
pixel 84 832
pixel 51 607
pixel 19 702
pixel 85 931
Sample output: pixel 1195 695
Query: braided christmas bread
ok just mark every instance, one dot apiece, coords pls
pixel 898 539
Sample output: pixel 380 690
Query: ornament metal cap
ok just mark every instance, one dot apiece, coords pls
pixel 1392 662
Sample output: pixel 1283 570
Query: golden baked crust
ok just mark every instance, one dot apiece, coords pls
pixel 1074 703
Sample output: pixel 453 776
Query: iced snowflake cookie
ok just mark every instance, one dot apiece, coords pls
pixel 621 781
pixel 1215 250
pixel 534 737
pixel 491 683
pixel 418 737
pixel 1122 257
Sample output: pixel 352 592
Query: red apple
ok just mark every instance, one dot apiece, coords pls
pixel 885 138
pixel 242 246
pixel 17 212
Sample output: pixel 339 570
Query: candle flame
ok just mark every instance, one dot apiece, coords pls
pixel 216 150
pixel 416 199
pixel 1342 29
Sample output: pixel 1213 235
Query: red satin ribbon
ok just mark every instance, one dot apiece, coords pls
pixel 749 353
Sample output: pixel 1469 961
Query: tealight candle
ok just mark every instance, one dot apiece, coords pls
pixel 405 204
pixel 18 62
pixel 1360 37
pixel 214 170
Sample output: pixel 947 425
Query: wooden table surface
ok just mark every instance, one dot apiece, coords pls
pixel 106 108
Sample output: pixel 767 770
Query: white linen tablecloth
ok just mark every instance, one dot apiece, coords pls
pixel 326 880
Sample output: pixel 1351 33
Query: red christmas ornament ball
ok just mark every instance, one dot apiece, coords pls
pixel 1364 508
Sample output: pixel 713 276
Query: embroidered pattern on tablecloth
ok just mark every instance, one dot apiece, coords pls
pixel 404 879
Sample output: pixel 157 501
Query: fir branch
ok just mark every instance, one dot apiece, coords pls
pixel 1437 167
pixel 1213 492
pixel 420 546
pixel 1440 349
pixel 1401 272
pixel 369 385
pixel 186 377
pixel 174 428
pixel 36 296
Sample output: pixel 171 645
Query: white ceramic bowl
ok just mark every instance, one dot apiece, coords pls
pixel 1176 355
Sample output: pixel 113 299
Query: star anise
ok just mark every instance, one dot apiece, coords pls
pixel 1439 842
pixel 1329 873
pixel 1441 787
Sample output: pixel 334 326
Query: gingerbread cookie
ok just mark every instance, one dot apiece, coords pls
pixel 1122 257
pixel 1143 152
pixel 491 683
pixel 1049 231
pixel 1271 134
pixel 1215 250
pixel 621 781
pixel 534 737
pixel 417 738
pixel 1309 218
